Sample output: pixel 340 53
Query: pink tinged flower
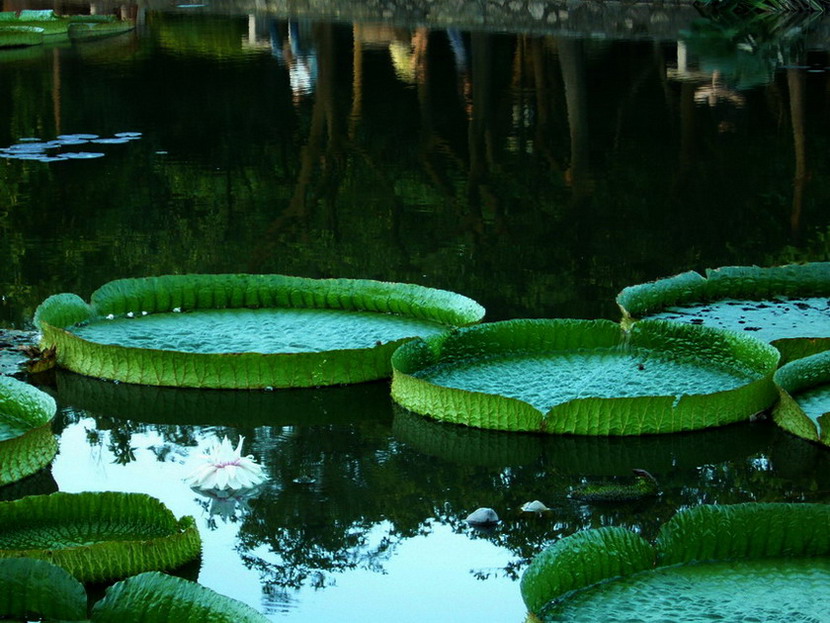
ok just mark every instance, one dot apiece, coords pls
pixel 223 468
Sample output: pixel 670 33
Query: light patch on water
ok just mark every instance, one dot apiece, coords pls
pixel 760 591
pixel 548 380
pixel 767 320
pixel 256 330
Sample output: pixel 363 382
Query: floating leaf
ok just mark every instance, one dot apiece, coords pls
pixel 804 407
pixel 788 306
pixel 26 440
pixel 585 377
pixel 244 330
pixel 158 598
pixel 581 560
pixel 713 562
pixel 35 588
pixel 97 536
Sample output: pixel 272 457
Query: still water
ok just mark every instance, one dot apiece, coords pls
pixel 536 173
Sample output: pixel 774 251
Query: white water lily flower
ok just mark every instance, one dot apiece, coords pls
pixel 224 468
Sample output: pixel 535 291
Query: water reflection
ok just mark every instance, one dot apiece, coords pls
pixel 536 172
pixel 353 479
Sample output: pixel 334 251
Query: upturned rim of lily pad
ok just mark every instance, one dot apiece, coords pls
pixel 250 370
pixel 147 536
pixel 707 533
pixel 792 379
pixel 751 283
pixel 590 415
pixel 27 443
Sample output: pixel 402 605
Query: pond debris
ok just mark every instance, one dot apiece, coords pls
pixel 39 360
pixel 482 518
pixel 535 507
pixel 646 486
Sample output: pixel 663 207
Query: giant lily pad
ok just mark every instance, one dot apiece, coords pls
pixel 26 440
pixel 97 536
pixel 586 377
pixel 708 563
pixel 35 588
pixel 157 598
pixel 244 331
pixel 30 587
pixel 804 408
pixel 788 306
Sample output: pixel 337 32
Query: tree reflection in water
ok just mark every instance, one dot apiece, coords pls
pixel 353 477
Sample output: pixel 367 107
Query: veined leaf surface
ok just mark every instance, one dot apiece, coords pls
pixel 97 536
pixel 244 331
pixel 585 377
pixel 35 588
pixel 787 306
pixel 713 562
pixel 158 598
pixel 26 440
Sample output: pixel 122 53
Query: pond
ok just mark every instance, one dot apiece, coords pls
pixel 535 172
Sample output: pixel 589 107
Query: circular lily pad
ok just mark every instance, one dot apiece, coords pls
pixel 708 563
pixel 804 407
pixel 245 331
pixel 585 377
pixel 787 306
pixel 97 536
pixel 26 440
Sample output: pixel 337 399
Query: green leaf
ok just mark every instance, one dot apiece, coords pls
pixel 585 377
pixel 179 330
pixel 26 440
pixel 32 588
pixel 583 559
pixel 159 598
pixel 97 536
pixel 784 305
pixel 804 386
pixel 712 562
pixel 741 531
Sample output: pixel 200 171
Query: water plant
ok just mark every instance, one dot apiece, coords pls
pixel 804 406
pixel 31 588
pixel 97 536
pixel 784 305
pixel 586 377
pixel 244 331
pixel 707 562
pixel 26 440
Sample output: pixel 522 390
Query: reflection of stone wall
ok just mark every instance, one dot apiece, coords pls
pixel 605 20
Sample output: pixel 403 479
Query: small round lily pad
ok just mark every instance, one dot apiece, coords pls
pixel 787 306
pixel 26 440
pixel 245 331
pixel 585 377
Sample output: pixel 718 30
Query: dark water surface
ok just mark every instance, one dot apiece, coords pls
pixel 537 174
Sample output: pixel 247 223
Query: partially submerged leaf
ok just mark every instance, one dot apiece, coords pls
pixel 97 536
pixel 159 598
pixel 26 440
pixel 804 385
pixel 585 377
pixel 788 306
pixel 35 588
pixel 244 331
